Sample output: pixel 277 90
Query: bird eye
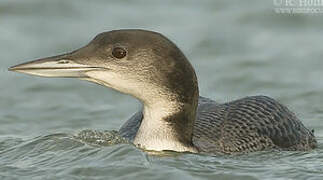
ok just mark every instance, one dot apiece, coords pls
pixel 119 52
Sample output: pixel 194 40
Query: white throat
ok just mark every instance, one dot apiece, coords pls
pixel 157 134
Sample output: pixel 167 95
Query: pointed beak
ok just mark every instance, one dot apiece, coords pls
pixel 57 66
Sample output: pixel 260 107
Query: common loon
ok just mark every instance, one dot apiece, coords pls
pixel 174 117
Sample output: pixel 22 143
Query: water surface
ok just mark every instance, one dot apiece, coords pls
pixel 238 49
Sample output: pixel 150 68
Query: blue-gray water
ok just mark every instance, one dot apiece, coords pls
pixel 237 48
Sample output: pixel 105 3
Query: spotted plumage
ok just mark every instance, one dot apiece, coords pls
pixel 246 125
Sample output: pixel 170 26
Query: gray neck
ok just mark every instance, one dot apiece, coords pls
pixel 167 125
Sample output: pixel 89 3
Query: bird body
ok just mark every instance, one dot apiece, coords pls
pixel 249 124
